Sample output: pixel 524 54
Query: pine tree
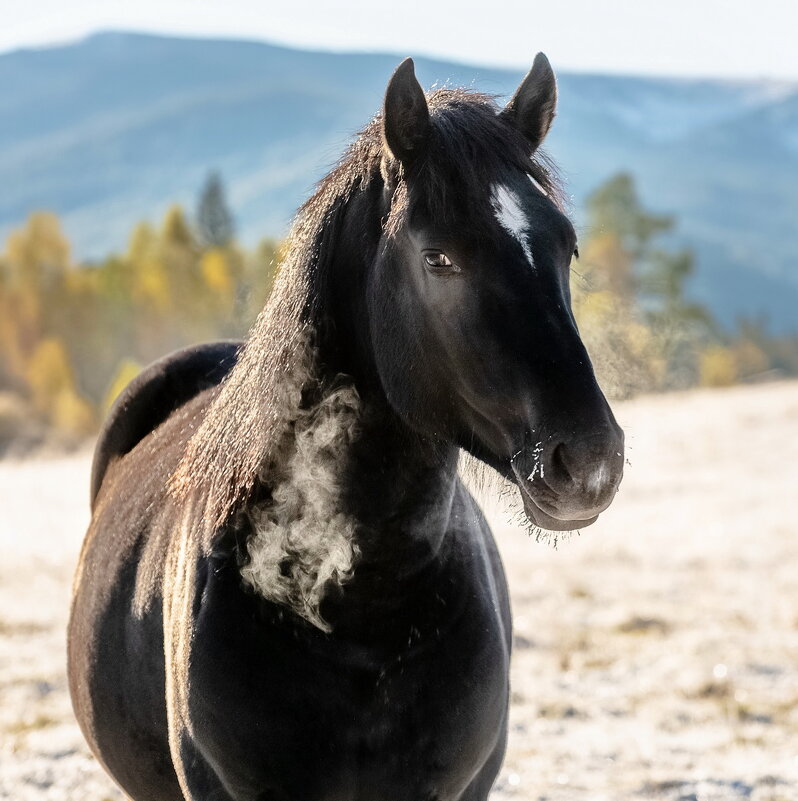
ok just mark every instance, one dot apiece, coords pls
pixel 646 283
pixel 214 220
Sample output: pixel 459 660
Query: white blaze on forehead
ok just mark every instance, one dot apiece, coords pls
pixel 511 217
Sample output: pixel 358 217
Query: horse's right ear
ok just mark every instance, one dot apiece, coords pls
pixel 405 115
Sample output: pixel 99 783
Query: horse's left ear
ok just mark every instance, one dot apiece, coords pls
pixel 534 104
pixel 405 115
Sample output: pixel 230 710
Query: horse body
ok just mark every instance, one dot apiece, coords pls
pixel 305 717
pixel 286 593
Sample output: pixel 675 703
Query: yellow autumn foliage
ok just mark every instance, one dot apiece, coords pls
pixel 126 371
pixel 750 359
pixel 717 367
pixel 38 252
pixel 73 414
pixel 48 373
pixel 52 388
pixel 621 348
pixel 606 265
pixel 216 273
pixel 152 285
pixel 65 328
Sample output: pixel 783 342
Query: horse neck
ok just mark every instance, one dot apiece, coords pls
pixel 398 491
pixel 397 486
pixel 350 524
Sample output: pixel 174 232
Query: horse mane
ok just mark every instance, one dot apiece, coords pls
pixel 245 426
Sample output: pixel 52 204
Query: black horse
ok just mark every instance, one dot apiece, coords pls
pixel 286 593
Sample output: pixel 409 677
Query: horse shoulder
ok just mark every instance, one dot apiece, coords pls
pixel 481 540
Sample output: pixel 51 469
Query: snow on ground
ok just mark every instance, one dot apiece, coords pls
pixel 656 654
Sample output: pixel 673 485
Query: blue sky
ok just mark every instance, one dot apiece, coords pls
pixel 721 38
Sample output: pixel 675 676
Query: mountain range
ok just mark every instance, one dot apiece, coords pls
pixel 114 128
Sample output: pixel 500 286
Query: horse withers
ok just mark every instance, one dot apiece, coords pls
pixel 286 593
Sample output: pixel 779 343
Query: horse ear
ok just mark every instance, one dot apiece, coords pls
pixel 405 115
pixel 534 104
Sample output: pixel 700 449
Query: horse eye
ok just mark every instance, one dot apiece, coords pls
pixel 576 252
pixel 439 263
pixel 437 259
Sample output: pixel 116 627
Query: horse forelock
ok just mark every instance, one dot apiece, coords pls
pixel 471 147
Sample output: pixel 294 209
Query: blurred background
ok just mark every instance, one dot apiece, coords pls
pixel 151 157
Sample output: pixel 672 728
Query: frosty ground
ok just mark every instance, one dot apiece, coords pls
pixel 656 654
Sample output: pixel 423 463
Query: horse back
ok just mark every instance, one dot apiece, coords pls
pixel 156 393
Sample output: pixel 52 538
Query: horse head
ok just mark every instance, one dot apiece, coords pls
pixel 468 297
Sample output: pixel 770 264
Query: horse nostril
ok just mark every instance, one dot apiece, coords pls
pixel 581 466
pixel 558 465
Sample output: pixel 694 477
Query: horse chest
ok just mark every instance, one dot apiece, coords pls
pixel 329 720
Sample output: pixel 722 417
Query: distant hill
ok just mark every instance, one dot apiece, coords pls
pixel 112 129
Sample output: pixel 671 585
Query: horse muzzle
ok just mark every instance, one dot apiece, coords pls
pixel 566 482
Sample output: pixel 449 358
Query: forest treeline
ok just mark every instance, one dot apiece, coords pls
pixel 72 335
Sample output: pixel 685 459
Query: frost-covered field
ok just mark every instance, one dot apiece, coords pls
pixel 656 654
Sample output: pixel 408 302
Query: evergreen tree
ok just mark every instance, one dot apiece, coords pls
pixel 615 207
pixel 649 322
pixel 214 220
